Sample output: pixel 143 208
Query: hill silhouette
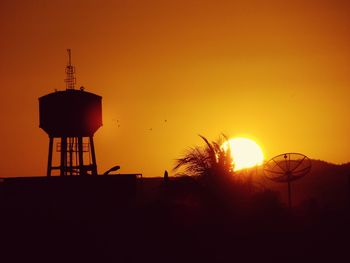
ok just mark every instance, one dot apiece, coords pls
pixel 125 219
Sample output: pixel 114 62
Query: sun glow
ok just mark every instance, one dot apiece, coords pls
pixel 245 153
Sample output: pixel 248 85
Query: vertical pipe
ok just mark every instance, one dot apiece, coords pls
pixel 94 166
pixel 80 154
pixel 71 144
pixel 76 158
pixel 63 155
pixel 289 195
pixel 49 161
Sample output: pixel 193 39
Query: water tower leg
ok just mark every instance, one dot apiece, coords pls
pixel 93 156
pixel 80 153
pixel 49 161
pixel 63 156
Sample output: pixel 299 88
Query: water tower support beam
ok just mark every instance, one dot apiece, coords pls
pixel 63 155
pixel 80 154
pixel 93 156
pixel 49 161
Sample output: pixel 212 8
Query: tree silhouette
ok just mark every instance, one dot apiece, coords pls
pixel 210 161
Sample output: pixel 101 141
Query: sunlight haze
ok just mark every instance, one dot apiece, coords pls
pixel 170 70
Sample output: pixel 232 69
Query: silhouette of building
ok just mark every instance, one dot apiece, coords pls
pixel 71 117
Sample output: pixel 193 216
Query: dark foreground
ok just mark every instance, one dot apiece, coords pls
pixel 124 219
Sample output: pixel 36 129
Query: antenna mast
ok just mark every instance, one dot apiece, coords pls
pixel 70 72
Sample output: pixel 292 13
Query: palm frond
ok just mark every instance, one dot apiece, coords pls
pixel 209 160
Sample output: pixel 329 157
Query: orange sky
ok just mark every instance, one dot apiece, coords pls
pixel 275 71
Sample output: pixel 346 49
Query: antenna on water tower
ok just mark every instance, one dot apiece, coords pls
pixel 70 71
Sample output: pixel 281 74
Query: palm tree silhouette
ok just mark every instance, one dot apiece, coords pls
pixel 211 161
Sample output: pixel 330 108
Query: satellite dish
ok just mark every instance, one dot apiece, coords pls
pixel 287 167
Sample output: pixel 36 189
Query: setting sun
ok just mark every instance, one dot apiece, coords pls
pixel 245 153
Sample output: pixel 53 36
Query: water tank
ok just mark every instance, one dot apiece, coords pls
pixel 70 113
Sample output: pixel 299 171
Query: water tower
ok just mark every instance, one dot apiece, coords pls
pixel 71 117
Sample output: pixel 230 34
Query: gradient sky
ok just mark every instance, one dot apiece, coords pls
pixel 274 71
